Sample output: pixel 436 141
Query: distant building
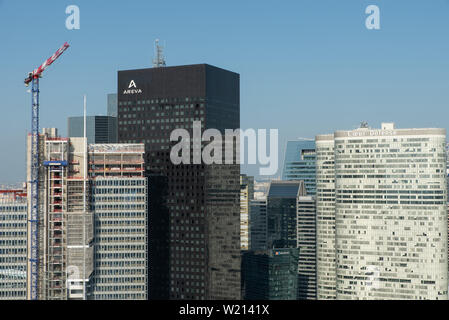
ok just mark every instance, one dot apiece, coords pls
pixel 258 224
pixel 246 195
pixel 112 105
pixel 275 266
pixel 13 244
pixel 270 274
pixel 300 162
pixel 100 129
pixel 282 199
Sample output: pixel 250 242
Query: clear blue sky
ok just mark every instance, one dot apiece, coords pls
pixel 307 67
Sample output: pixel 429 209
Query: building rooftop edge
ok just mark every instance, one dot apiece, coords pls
pixel 184 65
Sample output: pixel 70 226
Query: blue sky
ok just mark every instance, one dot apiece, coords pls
pixel 307 66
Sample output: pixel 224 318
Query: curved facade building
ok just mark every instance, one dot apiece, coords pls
pixel 390 211
pixel 391 214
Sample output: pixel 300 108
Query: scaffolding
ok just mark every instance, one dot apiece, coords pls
pixel 56 167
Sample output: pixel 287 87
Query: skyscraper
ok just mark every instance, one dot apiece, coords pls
pixel 258 224
pixel 194 235
pixel 300 163
pixel 270 274
pixel 390 213
pixel 274 266
pixel 282 213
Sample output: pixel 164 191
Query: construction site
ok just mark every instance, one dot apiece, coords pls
pixel 81 185
pixel 86 225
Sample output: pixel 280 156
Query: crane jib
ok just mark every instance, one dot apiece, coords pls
pixel 37 72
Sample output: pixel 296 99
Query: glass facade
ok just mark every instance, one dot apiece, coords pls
pixel 195 209
pixel 300 163
pixel 100 129
pixel 271 274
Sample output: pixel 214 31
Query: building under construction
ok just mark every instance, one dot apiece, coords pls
pixel 67 238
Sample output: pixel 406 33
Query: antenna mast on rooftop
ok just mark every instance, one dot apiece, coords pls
pixel 159 60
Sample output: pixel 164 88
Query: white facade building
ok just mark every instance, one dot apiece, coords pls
pixel 390 214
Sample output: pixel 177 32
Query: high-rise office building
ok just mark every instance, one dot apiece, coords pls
pixel 79 190
pixel 246 195
pixel 282 214
pixel 390 212
pixel 300 163
pixel 13 244
pixel 194 235
pixel 119 203
pixel 99 129
pixel 271 272
pixel 325 218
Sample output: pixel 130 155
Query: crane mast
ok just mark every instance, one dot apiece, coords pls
pixel 33 77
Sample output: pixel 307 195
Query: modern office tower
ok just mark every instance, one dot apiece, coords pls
pixel 119 201
pixel 306 241
pixel 258 224
pixel 194 227
pixel 112 105
pixel 325 218
pixel 246 195
pixel 270 274
pixel 282 213
pixel 75 184
pixel 300 163
pixel 13 245
pixel 291 224
pixel 99 129
pixel 65 258
pixel 390 213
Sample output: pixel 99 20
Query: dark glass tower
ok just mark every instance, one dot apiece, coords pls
pixel 194 212
pixel 99 129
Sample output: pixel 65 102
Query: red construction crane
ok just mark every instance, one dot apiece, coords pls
pixel 38 72
pixel 34 182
